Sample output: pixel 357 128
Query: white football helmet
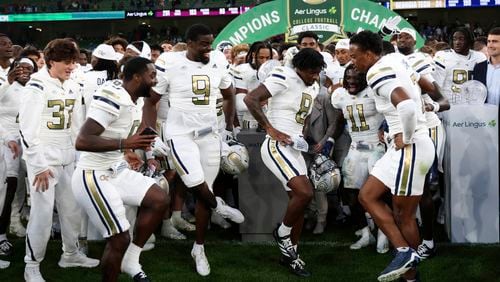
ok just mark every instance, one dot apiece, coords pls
pixel 324 174
pixel 234 158
pixel 162 182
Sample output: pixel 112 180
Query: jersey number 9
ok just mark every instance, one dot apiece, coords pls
pixel 201 86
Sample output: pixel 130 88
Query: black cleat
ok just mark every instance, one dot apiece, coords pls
pixel 141 277
pixel 285 245
pixel 295 266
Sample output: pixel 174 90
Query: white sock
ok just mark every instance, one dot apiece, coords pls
pixel 429 243
pixel 365 232
pixel 295 247
pixel 284 230
pixel 133 253
pixel 176 214
pixel 198 247
pixel 403 249
pixel 3 237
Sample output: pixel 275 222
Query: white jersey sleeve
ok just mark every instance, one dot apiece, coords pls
pixel 162 86
pixel 30 110
pixel 276 81
pixel 105 106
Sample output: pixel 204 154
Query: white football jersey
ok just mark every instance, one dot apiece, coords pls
pixel 245 77
pixel 192 89
pixel 291 102
pixel 4 84
pixel 335 72
pixel 390 72
pixel 424 66
pixel 9 110
pixel 453 69
pixel 363 120
pixel 114 110
pixel 91 81
pixel 46 120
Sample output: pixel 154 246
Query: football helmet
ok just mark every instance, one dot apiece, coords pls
pixel 266 68
pixel 324 174
pixel 234 158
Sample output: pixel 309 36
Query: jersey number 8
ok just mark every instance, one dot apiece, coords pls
pixel 305 105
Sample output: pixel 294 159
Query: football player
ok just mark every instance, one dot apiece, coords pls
pixel 423 65
pixel 190 79
pixel 103 183
pixel 292 91
pixel 47 116
pixel 245 79
pixel 403 167
pixel 455 66
pixel 356 103
pixel 10 121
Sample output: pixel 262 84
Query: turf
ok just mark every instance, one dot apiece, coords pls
pixel 328 257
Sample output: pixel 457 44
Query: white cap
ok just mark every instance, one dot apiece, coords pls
pixel 342 44
pixel 410 32
pixel 145 52
pixel 105 52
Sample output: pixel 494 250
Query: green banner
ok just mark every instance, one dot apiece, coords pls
pixel 330 19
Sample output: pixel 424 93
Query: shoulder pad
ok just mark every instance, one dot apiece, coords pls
pixel 36 84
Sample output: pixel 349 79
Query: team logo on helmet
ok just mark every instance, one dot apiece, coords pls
pixel 324 174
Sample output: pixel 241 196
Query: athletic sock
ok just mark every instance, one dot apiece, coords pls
pixel 428 243
pixel 284 230
pixel 403 249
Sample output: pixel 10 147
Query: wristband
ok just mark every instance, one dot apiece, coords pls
pixel 435 106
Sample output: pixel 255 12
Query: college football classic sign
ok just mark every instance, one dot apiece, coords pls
pixel 330 19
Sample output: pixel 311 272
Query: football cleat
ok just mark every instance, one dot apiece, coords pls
pixel 141 277
pixel 285 245
pixel 228 212
pixel 202 266
pixel 296 266
pixel 424 252
pixel 220 221
pixel 364 241
pixel 77 260
pixel 402 262
pixel 32 274
pixel 382 243
pixel 6 248
pixel 170 232
pixel 181 224
pixel 4 264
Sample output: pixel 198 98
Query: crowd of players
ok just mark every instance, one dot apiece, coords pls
pixel 118 141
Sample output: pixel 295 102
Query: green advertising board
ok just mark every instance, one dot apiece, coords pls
pixel 330 19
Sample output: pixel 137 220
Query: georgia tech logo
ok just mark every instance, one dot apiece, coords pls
pixel 314 2
pixel 104 177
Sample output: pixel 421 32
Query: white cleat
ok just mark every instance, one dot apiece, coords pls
pixel 228 212
pixel 32 274
pixel 382 243
pixel 319 228
pixel 202 266
pixel 365 240
pixel 181 224
pixel 150 243
pixel 77 260
pixel 17 228
pixel 169 231
pixel 219 220
pixel 4 264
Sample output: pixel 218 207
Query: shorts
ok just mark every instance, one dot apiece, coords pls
pixel 438 137
pixel 283 161
pixel 103 196
pixel 359 162
pixel 403 171
pixel 196 160
pixel 166 162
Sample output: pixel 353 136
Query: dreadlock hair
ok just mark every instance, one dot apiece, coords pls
pixel 469 38
pixel 254 50
pixel 111 68
pixel 362 83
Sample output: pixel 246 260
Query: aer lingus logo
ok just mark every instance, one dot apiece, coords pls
pixel 325 18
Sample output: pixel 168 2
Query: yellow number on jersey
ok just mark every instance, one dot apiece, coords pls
pixel 460 76
pixel 305 105
pixel 201 86
pixel 61 104
pixel 361 114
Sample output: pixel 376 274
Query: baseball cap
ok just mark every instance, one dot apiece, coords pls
pixel 342 44
pixel 105 52
pixel 410 32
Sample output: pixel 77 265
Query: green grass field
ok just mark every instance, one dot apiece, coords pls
pixel 328 257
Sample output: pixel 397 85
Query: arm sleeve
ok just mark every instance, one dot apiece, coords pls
pixel 30 113
pixel 407 111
